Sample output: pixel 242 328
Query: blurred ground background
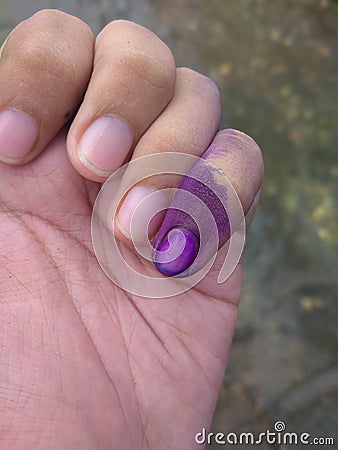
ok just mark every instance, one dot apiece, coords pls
pixel 276 64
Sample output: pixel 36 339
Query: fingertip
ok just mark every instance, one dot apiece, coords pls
pixel 18 134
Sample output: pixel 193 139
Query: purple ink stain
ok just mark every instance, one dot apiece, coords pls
pixel 202 213
pixel 193 221
pixel 176 251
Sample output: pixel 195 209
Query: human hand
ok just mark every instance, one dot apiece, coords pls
pixel 84 364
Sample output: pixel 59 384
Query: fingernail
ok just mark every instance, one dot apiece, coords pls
pixel 144 205
pixel 18 133
pixel 105 145
pixel 176 252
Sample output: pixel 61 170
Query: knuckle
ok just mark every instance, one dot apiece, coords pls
pixel 38 56
pixel 44 44
pixel 120 25
pixel 58 21
pixel 136 52
pixel 144 66
pixel 204 83
pixel 49 14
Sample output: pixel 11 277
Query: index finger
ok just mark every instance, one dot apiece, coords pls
pixel 45 65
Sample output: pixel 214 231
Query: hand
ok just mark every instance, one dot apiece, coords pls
pixel 83 364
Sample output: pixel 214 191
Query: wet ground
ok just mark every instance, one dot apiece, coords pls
pixel 276 64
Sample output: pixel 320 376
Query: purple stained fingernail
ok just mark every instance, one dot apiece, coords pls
pixel 176 251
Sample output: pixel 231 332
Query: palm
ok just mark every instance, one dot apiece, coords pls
pixel 83 363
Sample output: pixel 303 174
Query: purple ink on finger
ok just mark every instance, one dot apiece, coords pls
pixel 197 210
pixel 176 251
pixel 206 200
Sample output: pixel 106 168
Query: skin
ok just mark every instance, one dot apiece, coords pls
pixel 84 365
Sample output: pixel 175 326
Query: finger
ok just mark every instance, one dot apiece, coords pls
pixel 132 82
pixel 187 125
pixel 187 230
pixel 44 68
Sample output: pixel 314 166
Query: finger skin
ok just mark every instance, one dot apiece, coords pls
pixel 187 125
pixel 238 157
pixel 45 67
pixel 133 79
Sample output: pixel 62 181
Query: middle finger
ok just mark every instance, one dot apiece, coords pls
pixel 133 80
